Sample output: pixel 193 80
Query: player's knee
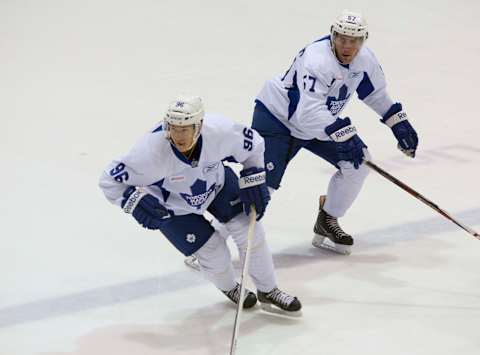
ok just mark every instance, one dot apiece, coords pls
pixel 237 224
pixel 350 172
pixel 259 239
pixel 214 254
pixel 363 171
pixel 220 228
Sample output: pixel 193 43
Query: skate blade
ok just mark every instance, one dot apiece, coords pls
pixel 319 241
pixel 192 262
pixel 271 309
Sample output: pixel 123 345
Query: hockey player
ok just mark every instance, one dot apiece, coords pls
pixel 175 173
pixel 301 108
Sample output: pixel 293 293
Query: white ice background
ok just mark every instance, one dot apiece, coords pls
pixel 80 81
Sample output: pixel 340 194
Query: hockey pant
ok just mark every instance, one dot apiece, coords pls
pixel 281 147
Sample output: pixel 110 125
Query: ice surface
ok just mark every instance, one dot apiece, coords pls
pixel 82 80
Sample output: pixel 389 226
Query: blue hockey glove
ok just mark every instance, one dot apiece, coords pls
pixel 145 208
pixel 403 131
pixel 348 145
pixel 254 190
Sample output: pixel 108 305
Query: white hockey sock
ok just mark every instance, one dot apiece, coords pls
pixel 215 262
pixel 261 268
pixel 344 187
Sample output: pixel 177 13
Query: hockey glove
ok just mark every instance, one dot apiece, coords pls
pixel 403 131
pixel 145 208
pixel 349 146
pixel 254 190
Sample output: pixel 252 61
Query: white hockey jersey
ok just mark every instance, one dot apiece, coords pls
pixel 180 185
pixel 316 88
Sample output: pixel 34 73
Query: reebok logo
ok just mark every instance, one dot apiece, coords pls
pixel 133 201
pixel 344 134
pixel 210 168
pixel 346 131
pixel 252 180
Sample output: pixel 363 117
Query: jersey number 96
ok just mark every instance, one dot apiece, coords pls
pixel 118 173
pixel 248 141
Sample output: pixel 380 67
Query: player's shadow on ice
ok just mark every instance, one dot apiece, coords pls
pixel 371 260
pixel 207 330
pixel 366 243
pixel 296 267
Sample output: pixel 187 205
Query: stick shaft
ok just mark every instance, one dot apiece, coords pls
pixel 420 197
pixel 236 326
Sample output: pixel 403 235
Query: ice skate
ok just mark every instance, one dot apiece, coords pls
pixel 249 299
pixel 277 301
pixel 328 234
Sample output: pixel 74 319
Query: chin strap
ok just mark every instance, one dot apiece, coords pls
pixel 190 151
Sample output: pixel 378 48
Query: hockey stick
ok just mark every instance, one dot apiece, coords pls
pixel 251 225
pixel 419 197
